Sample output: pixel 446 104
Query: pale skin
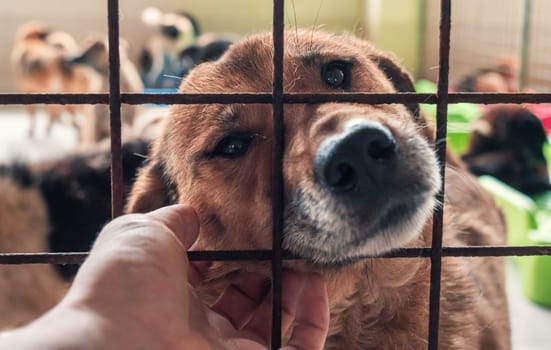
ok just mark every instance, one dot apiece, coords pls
pixel 135 291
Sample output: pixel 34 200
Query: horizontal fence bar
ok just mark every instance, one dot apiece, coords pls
pixel 196 98
pixel 266 98
pixel 42 258
pixel 234 255
pixel 61 99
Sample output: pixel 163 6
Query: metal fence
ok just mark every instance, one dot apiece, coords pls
pixel 278 98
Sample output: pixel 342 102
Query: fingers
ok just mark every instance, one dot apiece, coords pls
pixel 305 306
pixel 259 324
pixel 249 309
pixel 312 316
pixel 241 298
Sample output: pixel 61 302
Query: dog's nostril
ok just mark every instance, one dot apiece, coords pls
pixel 343 177
pixel 381 149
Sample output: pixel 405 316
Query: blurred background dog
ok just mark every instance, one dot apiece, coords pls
pixel 501 77
pixel 58 205
pixel 41 60
pixel 95 54
pixel 507 143
pixel 177 46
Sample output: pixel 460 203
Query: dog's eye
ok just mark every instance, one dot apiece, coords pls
pixel 233 145
pixel 336 74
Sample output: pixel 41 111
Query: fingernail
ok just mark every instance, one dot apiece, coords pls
pixel 189 224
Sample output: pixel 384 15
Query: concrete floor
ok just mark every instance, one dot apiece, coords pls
pixel 531 324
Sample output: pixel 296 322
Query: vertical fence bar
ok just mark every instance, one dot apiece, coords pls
pixel 115 109
pixel 277 169
pixel 440 143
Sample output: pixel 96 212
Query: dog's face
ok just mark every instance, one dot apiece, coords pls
pixel 38 54
pixel 32 53
pixel 359 179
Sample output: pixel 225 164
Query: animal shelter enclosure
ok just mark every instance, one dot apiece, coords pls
pixel 453 60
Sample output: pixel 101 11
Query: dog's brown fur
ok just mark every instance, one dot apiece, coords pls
pixel 375 303
pixel 40 59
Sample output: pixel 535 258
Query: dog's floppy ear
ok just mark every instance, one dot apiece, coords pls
pixel 150 191
pixel 400 79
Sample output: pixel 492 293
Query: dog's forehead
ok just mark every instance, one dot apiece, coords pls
pixel 248 65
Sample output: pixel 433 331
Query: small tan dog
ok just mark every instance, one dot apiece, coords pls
pixel 360 181
pixel 40 60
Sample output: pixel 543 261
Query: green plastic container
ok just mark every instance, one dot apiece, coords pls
pixel 528 223
pixel 518 208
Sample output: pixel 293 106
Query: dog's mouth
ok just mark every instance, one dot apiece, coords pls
pixel 326 231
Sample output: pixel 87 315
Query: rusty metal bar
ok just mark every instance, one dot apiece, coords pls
pixel 440 144
pixel 117 186
pixel 260 255
pixel 53 98
pixel 42 258
pixel 267 98
pixel 277 169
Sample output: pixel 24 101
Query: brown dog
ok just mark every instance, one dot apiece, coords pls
pixel 360 181
pixel 40 59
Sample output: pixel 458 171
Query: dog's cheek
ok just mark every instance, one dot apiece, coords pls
pixel 232 226
pixel 233 205
pixel 302 142
pixel 149 192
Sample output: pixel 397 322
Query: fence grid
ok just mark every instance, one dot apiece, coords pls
pixel 278 98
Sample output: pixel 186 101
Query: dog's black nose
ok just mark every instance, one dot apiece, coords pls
pixel 360 161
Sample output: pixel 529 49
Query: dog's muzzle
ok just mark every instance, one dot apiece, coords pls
pixel 373 191
pixel 358 162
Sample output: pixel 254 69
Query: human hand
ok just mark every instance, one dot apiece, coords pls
pixel 134 291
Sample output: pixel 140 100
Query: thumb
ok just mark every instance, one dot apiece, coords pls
pixel 181 220
pixel 177 221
